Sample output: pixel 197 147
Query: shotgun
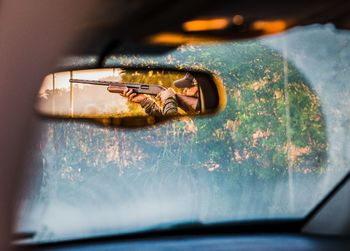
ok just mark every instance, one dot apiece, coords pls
pixel 186 103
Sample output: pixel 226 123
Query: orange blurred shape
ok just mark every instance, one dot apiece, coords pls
pixel 270 26
pixel 169 38
pixel 206 24
pixel 237 19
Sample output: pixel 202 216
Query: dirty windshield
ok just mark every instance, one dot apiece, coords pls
pixel 275 150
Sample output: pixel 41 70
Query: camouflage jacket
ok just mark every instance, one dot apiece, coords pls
pixel 152 108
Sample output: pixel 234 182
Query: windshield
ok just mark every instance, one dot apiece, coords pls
pixel 277 148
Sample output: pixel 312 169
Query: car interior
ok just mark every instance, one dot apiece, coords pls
pixel 41 38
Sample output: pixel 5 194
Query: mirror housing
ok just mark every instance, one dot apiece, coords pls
pixel 125 96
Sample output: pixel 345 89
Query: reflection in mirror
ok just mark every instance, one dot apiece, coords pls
pixel 119 93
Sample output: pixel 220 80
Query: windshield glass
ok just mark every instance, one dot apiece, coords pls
pixel 277 148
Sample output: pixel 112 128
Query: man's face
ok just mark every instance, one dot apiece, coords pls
pixel 191 91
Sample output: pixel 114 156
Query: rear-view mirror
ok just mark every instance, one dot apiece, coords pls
pixel 119 96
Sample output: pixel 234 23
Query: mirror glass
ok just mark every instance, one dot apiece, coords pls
pixel 125 93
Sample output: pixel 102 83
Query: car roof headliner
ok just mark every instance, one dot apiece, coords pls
pixel 127 22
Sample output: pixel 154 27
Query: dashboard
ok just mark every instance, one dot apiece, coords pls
pixel 262 242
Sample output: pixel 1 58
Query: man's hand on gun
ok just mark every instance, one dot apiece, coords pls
pixel 138 98
pixel 164 95
pixel 132 96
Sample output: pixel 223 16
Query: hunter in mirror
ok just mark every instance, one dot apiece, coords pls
pixel 116 92
pixel 170 101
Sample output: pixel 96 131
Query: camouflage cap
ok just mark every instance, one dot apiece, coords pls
pixel 184 82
